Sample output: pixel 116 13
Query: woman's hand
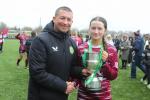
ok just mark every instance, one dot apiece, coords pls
pixel 104 56
pixel 86 72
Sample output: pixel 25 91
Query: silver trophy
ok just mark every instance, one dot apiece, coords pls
pixel 92 59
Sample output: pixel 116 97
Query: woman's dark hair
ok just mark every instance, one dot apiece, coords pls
pixel 103 20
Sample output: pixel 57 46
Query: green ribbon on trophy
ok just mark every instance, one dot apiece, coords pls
pixel 98 66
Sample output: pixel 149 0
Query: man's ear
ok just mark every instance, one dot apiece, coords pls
pixel 54 18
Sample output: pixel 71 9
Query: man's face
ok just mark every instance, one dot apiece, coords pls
pixel 63 21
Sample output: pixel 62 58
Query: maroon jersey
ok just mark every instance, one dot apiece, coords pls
pixel 77 40
pixel 109 71
pixel 22 38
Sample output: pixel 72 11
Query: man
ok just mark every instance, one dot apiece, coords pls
pixel 28 45
pixel 138 47
pixel 52 59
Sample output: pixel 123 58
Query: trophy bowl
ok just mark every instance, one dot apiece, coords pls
pixel 92 60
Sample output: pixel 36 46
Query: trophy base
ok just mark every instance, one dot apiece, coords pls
pixel 95 85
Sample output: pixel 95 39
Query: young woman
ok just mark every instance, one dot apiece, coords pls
pixel 107 67
pixel 22 48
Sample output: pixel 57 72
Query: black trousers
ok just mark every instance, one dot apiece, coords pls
pixel 147 74
pixel 124 64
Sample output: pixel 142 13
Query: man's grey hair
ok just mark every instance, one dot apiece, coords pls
pixel 62 8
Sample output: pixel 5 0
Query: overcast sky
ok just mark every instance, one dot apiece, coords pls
pixel 125 15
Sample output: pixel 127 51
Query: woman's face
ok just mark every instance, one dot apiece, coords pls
pixel 124 38
pixel 97 29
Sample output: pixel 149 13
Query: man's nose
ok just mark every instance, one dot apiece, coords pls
pixel 65 21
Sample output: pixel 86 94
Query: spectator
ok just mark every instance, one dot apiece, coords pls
pixel 116 43
pixel 138 47
pixel 1 41
pixel 124 47
pixel 28 45
pixel 146 62
pixel 76 37
pixel 131 40
pixel 109 39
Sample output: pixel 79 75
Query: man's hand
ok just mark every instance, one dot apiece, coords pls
pixel 70 87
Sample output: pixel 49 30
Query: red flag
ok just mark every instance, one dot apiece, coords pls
pixel 5 32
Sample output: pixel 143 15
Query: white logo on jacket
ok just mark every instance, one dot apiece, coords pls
pixel 55 48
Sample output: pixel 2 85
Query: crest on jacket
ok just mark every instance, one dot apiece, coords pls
pixel 71 49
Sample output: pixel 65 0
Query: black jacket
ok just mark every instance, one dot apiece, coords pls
pixel 28 44
pixel 52 59
pixel 146 56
